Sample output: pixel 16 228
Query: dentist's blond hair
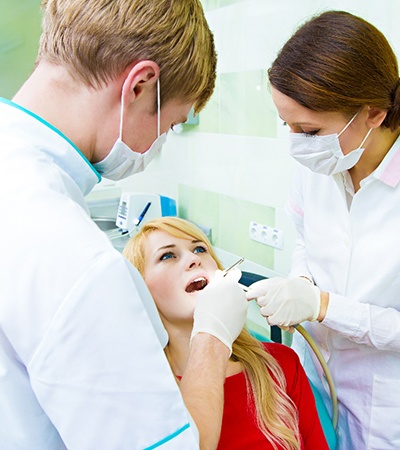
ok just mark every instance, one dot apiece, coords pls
pixel 96 40
pixel 276 414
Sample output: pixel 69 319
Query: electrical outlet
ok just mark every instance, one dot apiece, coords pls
pixel 266 235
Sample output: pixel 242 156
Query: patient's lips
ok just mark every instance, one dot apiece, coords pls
pixel 197 284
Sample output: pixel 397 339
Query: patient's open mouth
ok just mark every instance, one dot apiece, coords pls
pixel 197 285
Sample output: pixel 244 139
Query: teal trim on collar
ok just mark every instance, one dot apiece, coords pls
pixel 49 125
pixel 168 438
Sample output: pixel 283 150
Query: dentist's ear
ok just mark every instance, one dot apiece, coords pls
pixel 141 78
pixel 375 117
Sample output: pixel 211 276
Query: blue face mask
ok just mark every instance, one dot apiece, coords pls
pixel 122 161
pixel 323 154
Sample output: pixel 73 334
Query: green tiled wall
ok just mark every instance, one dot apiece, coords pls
pixel 214 4
pixel 229 220
pixel 241 105
pixel 200 207
pixel 19 38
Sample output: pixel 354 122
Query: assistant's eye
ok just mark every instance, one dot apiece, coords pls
pixel 167 255
pixel 200 249
pixel 311 133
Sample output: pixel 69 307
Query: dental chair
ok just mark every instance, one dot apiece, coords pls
pixel 328 422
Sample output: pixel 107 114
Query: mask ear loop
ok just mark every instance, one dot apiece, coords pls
pixel 366 137
pixel 158 108
pixel 351 120
pixel 121 113
pixel 345 128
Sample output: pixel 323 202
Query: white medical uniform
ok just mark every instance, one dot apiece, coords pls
pixel 81 364
pixel 349 244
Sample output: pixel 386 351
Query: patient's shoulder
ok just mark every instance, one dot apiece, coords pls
pixel 286 356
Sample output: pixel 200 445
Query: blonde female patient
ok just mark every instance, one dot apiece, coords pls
pixel 268 402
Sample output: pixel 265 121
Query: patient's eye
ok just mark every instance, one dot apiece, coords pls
pixel 167 255
pixel 200 249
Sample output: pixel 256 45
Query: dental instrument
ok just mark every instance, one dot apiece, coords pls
pixel 233 266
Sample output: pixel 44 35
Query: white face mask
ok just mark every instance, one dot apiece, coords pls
pixel 323 154
pixel 122 161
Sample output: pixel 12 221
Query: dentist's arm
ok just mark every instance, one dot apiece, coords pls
pixel 202 387
pixel 219 317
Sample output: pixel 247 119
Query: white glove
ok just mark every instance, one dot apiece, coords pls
pixel 221 308
pixel 285 302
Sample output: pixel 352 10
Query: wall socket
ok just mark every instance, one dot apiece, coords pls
pixel 266 235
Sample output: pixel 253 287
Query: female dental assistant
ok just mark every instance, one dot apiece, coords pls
pixel 336 84
pixel 81 344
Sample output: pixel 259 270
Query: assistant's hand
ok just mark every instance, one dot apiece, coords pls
pixel 221 308
pixel 285 302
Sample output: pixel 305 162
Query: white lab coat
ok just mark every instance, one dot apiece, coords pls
pixel 351 248
pixel 81 364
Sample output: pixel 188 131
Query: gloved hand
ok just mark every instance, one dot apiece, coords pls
pixel 221 308
pixel 285 302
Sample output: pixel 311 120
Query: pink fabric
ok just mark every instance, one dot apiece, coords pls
pixel 391 175
pixel 295 208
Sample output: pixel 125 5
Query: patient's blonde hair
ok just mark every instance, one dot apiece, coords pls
pixel 276 414
pixel 96 40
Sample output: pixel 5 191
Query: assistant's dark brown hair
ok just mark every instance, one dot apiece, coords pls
pixel 339 62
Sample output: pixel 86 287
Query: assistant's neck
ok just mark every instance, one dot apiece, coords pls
pixel 377 146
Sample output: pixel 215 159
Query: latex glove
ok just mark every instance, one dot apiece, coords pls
pixel 285 302
pixel 221 308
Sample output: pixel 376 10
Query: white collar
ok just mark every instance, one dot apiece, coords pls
pixel 46 138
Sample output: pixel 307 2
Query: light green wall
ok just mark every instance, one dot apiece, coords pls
pixel 19 37
pixel 229 219
pixel 241 105
pixel 213 4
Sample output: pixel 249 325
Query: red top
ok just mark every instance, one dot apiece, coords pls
pixel 239 431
